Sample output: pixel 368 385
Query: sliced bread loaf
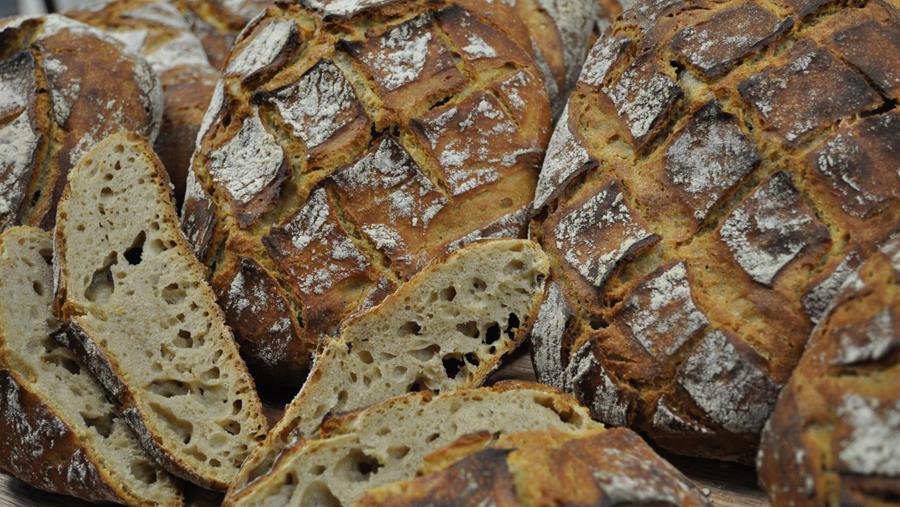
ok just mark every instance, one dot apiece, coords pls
pixel 142 317
pixel 58 432
pixel 446 329
pixel 542 468
pixel 389 441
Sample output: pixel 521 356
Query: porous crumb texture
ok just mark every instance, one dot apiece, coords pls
pixel 834 437
pixel 59 431
pixel 346 147
pixel 55 104
pixel 144 319
pixel 158 31
pixel 446 329
pixel 539 468
pixel 720 168
pixel 389 442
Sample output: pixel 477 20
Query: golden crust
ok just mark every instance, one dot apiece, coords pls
pixel 696 213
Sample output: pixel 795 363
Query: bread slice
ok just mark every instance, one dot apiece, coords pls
pixel 142 317
pixel 389 441
pixel 445 329
pixel 58 432
pixel 539 468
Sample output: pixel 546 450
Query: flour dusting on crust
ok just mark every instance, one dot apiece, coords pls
pixel 547 336
pixel 261 51
pixel 565 158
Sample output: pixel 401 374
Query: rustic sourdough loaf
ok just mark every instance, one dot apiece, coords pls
pixel 834 437
pixel 541 468
pixel 55 104
pixel 58 432
pixel 143 319
pixel 720 168
pixel 346 150
pixel 446 329
pixel 388 442
pixel 159 32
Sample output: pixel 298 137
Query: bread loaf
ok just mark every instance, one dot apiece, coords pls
pixel 339 160
pixel 55 104
pixel 537 468
pixel 446 329
pixel 834 437
pixel 141 316
pixel 159 32
pixel 58 432
pixel 720 168
pixel 388 442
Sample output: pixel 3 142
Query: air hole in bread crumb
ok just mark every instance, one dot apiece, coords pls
pixel 383 431
pixel 102 285
pixel 38 288
pixel 426 353
pixel 64 362
pixel 319 495
pixel 215 463
pixel 398 452
pixel 479 285
pixel 452 365
pixel 513 266
pixel 410 327
pixel 144 472
pixel 342 397
pixel 472 359
pixel 448 293
pixel 232 427
pixel 317 470
pixel 432 437
pixel 365 356
pixel 236 407
pixel 492 333
pixel 357 466
pixel 213 373
pixel 183 339
pixel 173 294
pixel 416 386
pixel 134 254
pixel 169 388
pixel 103 425
pixel 512 324
pixel 469 329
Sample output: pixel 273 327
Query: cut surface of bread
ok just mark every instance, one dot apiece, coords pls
pixel 389 441
pixel 541 468
pixel 144 320
pixel 446 329
pixel 58 431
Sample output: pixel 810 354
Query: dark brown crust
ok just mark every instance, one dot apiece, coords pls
pixel 688 337
pixel 602 467
pixel 823 444
pixel 43 451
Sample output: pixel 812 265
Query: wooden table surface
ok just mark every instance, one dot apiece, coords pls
pixel 727 485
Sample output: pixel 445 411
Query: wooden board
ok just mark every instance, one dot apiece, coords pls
pixel 726 484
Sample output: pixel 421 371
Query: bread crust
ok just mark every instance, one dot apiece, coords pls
pixel 594 467
pixel 323 161
pixel 830 439
pixel 56 123
pixel 693 207
pixel 76 334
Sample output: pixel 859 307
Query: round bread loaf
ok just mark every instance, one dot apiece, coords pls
pixel 55 104
pixel 158 31
pixel 719 169
pixel 343 150
pixel 834 438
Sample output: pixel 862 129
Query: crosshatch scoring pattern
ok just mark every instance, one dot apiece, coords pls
pixel 719 170
pixel 341 154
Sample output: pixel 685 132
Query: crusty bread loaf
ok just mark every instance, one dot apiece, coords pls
pixel 834 437
pixel 339 160
pixel 446 329
pixel 388 442
pixel 143 319
pixel 58 432
pixel 720 168
pixel 159 32
pixel 542 468
pixel 55 104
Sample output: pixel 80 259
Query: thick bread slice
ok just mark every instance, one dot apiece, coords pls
pixel 445 329
pixel 539 468
pixel 388 442
pixel 58 432
pixel 144 320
